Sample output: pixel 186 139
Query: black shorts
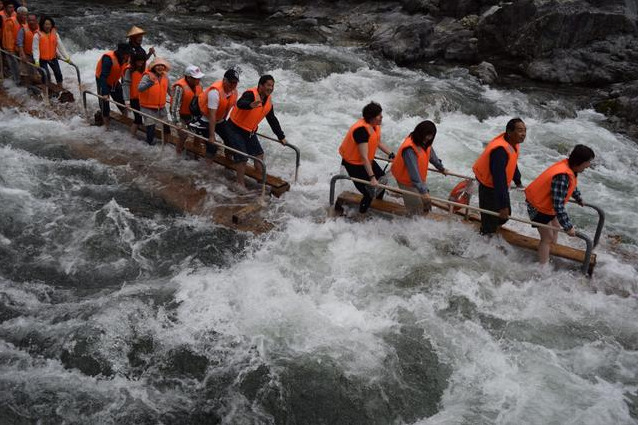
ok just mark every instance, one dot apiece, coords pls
pixel 541 218
pixel 243 141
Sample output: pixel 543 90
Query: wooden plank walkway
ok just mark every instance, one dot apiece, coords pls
pixel 512 237
pixel 276 185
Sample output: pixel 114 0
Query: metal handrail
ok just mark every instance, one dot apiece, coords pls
pixel 580 235
pixel 261 162
pixel 33 65
pixel 448 173
pixel 79 79
pixel 601 217
pixel 290 146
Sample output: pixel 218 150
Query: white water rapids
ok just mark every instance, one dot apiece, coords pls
pixel 116 309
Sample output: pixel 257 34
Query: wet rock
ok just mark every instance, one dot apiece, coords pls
pixel 81 355
pixel 485 71
pixel 182 361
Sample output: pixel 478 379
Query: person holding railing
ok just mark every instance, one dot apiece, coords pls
pixel 47 47
pixel 548 194
pixel 183 92
pixel 411 166
pixel 25 41
pixel 495 169
pixel 11 24
pixel 253 106
pixel 358 150
pixel 153 89
pixel 109 70
pixel 214 104
pixel 130 80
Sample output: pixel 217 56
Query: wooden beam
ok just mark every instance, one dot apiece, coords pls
pixel 276 185
pixel 512 237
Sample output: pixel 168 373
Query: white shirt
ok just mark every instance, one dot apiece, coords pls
pixel 213 101
pixel 61 51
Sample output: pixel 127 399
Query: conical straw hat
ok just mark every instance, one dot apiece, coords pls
pixel 135 31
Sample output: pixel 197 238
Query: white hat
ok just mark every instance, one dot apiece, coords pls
pixel 194 72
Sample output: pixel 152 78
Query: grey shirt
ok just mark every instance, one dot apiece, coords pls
pixel 411 162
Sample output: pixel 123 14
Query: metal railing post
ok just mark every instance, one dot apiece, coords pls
pixel 290 146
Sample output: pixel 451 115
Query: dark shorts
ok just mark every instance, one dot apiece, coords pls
pixel 243 141
pixel 541 218
pixel 135 104
pixel 201 128
pixel 185 118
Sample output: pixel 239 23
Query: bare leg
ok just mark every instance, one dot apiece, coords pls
pixel 257 165
pixel 240 169
pixel 106 121
pixel 547 238
pixel 133 129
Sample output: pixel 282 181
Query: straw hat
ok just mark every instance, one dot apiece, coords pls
pixel 159 61
pixel 135 31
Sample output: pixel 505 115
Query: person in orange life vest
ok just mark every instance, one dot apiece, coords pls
pixel 214 103
pixel 135 36
pixel 153 89
pixel 108 73
pixel 47 47
pixel 183 92
pixel 495 169
pixel 253 106
pixel 358 150
pixel 25 37
pixel 10 28
pixel 547 195
pixel 130 79
pixel 411 165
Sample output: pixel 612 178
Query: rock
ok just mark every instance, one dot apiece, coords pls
pixel 203 9
pixel 485 71
pixel 561 41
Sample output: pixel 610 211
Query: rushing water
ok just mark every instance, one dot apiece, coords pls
pixel 116 308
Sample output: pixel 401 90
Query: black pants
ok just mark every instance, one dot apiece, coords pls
pixel 115 93
pixel 55 67
pixel 368 192
pixel 487 200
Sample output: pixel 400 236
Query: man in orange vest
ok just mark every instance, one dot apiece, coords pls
pixel 253 106
pixel 358 150
pixel 108 73
pixel 25 38
pixel 411 166
pixel 153 89
pixel 130 79
pixel 547 195
pixel 214 104
pixel 183 92
pixel 10 28
pixel 495 169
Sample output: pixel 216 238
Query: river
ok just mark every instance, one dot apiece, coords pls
pixel 117 308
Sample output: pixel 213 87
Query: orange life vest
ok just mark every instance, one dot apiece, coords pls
pixel 48 45
pixel 482 168
pixel 187 94
pixel 116 69
pixel 538 193
pixel 136 76
pixel 28 40
pixel 224 105
pixel 155 97
pixel 248 119
pixel 349 148
pixel 399 167
pixel 10 28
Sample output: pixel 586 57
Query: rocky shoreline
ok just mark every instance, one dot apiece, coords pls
pixel 591 45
